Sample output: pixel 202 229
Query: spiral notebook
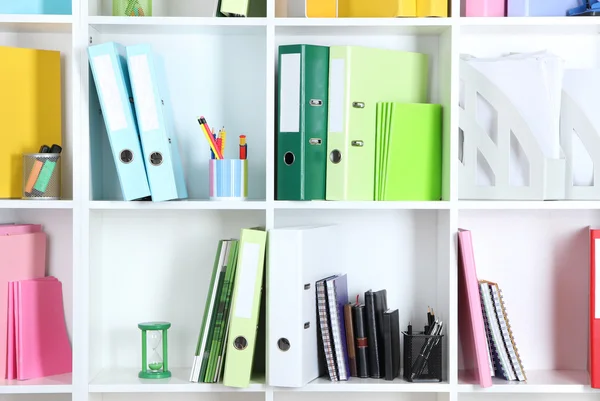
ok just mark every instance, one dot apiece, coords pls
pixel 504 354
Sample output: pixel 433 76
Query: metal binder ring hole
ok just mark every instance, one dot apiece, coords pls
pixel 358 144
pixel 315 141
pixel 358 105
pixel 289 158
pixel 307 286
pixel 240 343
pixel 335 156
pixel 316 102
pixel 283 344
pixel 156 159
pixel 306 325
pixel 126 156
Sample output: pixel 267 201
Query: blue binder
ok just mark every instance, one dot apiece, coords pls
pixel 153 111
pixel 62 7
pixel 109 69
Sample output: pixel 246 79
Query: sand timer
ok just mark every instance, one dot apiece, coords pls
pixel 154 350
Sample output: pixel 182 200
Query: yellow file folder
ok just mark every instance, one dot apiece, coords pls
pixel 30 110
pixel 432 8
pixel 377 8
pixel 321 8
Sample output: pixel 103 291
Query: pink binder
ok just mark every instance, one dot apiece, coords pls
pixel 42 343
pixel 483 8
pixel 23 257
pixel 470 317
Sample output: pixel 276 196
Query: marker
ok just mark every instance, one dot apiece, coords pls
pixel 243 147
pixel 35 170
pixel 223 136
pixel 210 138
pixel 46 173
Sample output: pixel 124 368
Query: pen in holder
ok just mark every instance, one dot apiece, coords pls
pixel 41 176
pixel 228 179
pixel 422 357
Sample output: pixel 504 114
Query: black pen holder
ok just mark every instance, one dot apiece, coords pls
pixel 422 357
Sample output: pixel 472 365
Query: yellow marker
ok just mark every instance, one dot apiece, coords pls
pixel 223 136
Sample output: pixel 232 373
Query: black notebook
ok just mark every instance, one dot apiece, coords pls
pixel 376 305
pixel 391 343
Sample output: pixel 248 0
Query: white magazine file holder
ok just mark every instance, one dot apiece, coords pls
pixel 574 119
pixel 546 175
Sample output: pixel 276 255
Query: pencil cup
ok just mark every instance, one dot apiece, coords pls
pixel 228 179
pixel 132 8
pixel 422 357
pixel 41 176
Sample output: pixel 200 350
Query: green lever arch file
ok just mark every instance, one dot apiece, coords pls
pixel 409 152
pixel 359 77
pixel 302 122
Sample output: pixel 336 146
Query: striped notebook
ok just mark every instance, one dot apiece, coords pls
pixel 325 330
pixel 503 349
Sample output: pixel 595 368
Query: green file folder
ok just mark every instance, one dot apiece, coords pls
pixel 247 289
pixel 359 77
pixel 302 122
pixel 409 156
pixel 241 8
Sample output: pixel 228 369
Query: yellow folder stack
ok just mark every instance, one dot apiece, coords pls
pixel 30 110
pixel 376 8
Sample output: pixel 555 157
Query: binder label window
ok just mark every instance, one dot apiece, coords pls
pixel 111 98
pixel 142 86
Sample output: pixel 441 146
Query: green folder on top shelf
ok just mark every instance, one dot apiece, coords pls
pixel 241 8
pixel 408 160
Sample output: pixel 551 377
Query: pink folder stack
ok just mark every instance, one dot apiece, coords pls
pixel 22 257
pixel 38 343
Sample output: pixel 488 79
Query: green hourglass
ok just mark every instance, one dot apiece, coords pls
pixel 154 350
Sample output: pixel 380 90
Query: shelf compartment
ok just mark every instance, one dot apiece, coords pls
pixel 236 65
pixel 415 275
pixel 538 381
pixel 122 380
pixel 540 260
pixel 163 261
pixel 435 43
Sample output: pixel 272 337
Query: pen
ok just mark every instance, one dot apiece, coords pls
pixel 409 331
pixel 433 345
pixel 243 147
pixel 422 359
pixel 35 170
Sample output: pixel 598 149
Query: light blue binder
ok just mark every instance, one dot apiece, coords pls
pixel 109 69
pixel 153 111
pixel 540 8
pixel 62 7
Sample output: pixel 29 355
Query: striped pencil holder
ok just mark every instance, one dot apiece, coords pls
pixel 228 179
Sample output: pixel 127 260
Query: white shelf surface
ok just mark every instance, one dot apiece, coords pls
pixel 35 204
pixel 538 381
pixel 123 380
pixel 342 205
pixel 527 205
pixel 179 205
pixel 354 385
pixel 59 384
pixel 35 23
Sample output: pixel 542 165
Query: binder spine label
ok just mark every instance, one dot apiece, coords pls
pixel 111 98
pixel 248 266
pixel 337 75
pixel 145 106
pixel 289 114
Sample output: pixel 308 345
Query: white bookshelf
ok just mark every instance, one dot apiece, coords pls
pixel 122 263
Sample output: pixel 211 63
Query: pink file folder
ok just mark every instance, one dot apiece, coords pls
pixel 42 342
pixel 11 356
pixel 16 229
pixel 22 257
pixel 470 317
